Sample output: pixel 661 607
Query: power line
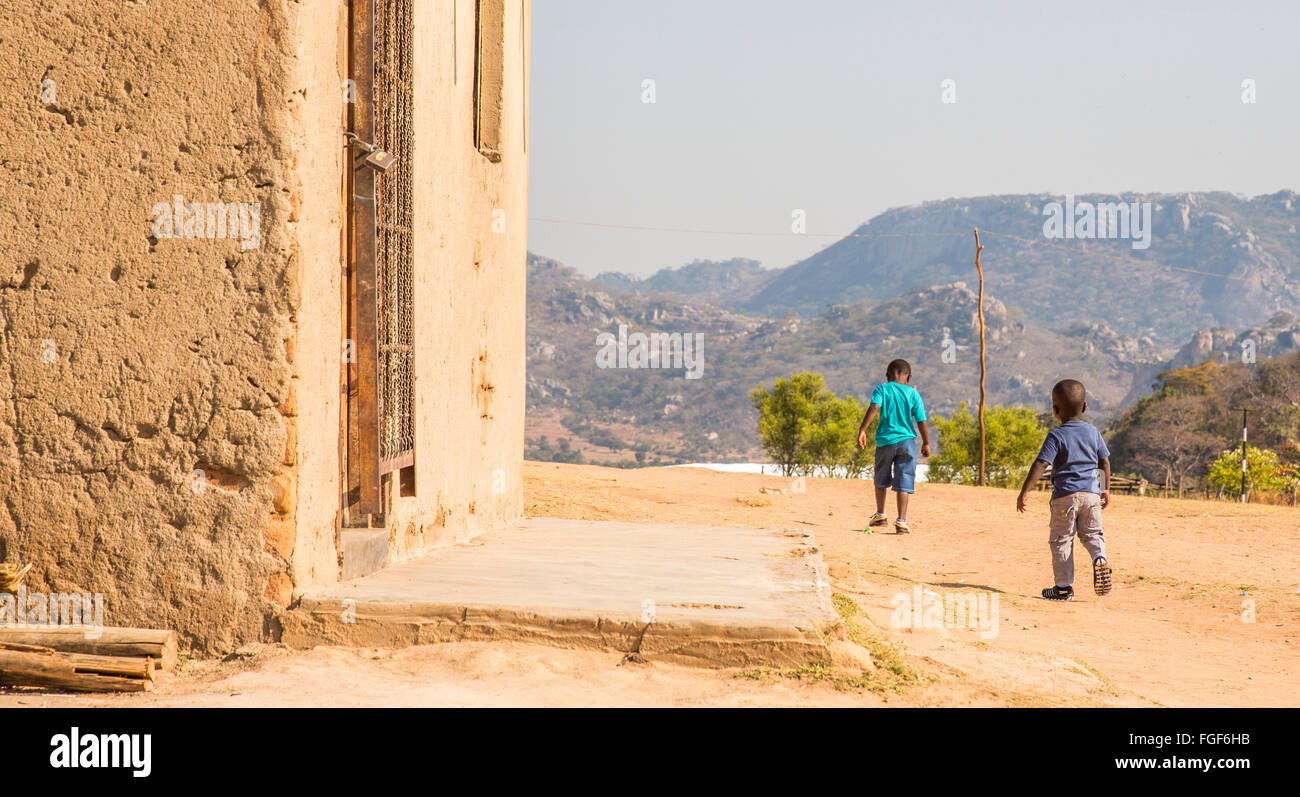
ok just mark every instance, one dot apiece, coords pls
pixel 741 233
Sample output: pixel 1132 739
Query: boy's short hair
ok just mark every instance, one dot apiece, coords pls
pixel 898 368
pixel 1069 395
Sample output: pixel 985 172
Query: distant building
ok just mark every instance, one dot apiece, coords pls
pixel 244 354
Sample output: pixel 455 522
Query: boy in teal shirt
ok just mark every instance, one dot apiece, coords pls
pixel 898 405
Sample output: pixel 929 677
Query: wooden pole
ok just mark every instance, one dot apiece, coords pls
pixel 48 669
pixel 1243 454
pixel 126 666
pixel 980 311
pixel 111 641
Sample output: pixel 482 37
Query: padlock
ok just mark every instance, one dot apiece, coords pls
pixel 376 158
pixel 379 160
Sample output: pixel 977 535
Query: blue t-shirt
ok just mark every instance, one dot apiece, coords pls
pixel 900 405
pixel 1075 451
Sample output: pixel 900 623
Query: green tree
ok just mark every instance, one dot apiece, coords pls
pixel 804 426
pixel 828 439
pixel 1206 400
pixel 1289 454
pixel 859 460
pixel 1170 442
pixel 957 457
pixel 782 416
pixel 1013 435
pixel 1264 471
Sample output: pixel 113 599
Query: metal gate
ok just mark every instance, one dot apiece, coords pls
pixel 380 294
pixel 394 233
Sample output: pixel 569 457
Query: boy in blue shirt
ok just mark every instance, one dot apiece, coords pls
pixel 897 404
pixel 1075 451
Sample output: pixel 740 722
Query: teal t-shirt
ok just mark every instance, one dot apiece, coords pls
pixel 900 405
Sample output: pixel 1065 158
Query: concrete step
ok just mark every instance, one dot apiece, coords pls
pixel 365 551
pixel 720 597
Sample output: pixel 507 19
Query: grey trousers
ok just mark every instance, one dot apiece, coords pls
pixel 1076 513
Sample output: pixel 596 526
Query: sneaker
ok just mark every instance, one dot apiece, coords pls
pixel 1059 593
pixel 877 519
pixel 1101 577
pixel 900 527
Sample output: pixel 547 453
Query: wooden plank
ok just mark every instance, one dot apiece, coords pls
pixel 126 666
pixel 19 648
pixel 158 645
pixel 49 670
pixel 403 460
pixel 366 463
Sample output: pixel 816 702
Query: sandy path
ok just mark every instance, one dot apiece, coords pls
pixel 1172 633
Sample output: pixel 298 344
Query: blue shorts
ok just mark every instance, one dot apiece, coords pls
pixel 896 466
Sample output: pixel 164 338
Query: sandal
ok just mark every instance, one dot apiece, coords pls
pixel 1101 577
pixel 1059 593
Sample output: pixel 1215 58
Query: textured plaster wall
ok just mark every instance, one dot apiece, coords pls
pixel 170 407
pixel 129 362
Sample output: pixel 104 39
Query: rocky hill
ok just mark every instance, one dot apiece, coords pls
pixel 1281 334
pixel 726 283
pixel 1248 248
pixel 614 412
pixel 1097 309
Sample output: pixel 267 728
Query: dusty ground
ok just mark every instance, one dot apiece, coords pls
pixel 1172 633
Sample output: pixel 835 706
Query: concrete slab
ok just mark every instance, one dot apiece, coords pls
pixel 693 594
pixel 365 551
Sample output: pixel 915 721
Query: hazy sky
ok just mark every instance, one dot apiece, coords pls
pixel 834 107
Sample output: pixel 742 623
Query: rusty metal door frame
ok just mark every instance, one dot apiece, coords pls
pixel 363 415
pixel 381 377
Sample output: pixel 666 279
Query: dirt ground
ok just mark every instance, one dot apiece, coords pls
pixel 1205 611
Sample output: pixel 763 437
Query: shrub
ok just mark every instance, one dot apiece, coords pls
pixel 1013 435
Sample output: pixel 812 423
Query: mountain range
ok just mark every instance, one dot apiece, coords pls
pixel 1095 309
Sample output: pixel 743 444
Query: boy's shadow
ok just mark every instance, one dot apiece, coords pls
pixel 958 585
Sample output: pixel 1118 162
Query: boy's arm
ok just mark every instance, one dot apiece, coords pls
pixel 918 414
pixel 1105 492
pixel 872 411
pixel 1035 473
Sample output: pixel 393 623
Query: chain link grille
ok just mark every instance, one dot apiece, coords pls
pixel 395 250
